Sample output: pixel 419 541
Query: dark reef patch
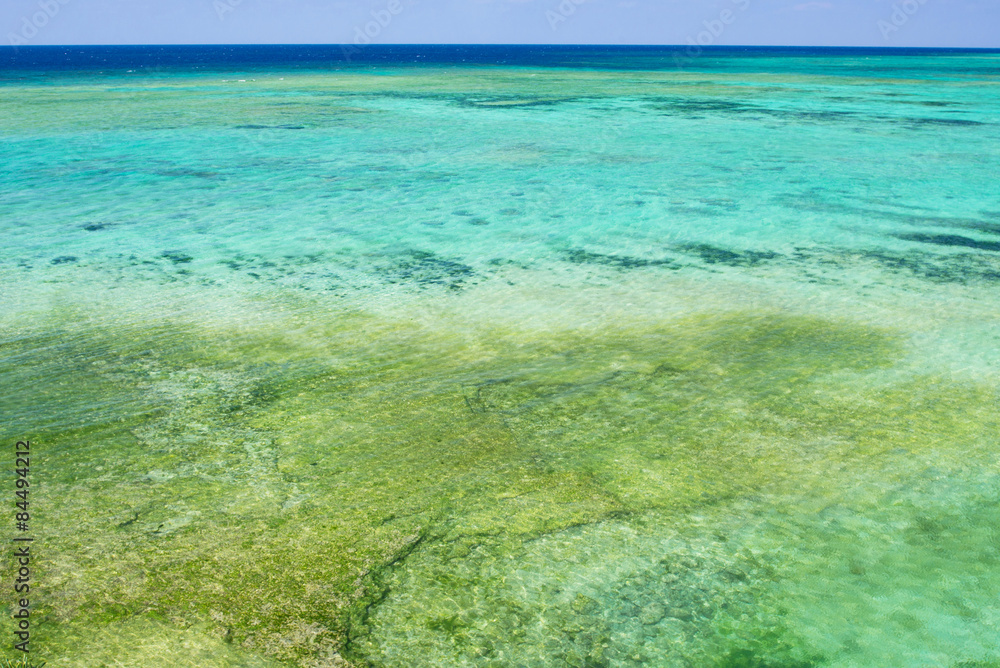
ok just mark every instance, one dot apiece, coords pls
pixel 714 255
pixel 917 122
pixel 816 202
pixel 305 272
pixel 252 126
pixel 984 226
pixel 695 108
pixel 964 268
pixel 951 240
pixel 184 171
pixel 424 268
pixel 65 259
pixel 580 256
pixel 720 203
pixel 510 101
pixel 177 257
pixel 705 206
pixel 943 221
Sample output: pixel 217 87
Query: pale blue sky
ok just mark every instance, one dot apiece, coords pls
pixel 962 23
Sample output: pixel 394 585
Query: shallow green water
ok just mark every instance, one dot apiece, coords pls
pixel 521 366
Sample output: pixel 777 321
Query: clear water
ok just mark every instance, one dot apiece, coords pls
pixel 505 357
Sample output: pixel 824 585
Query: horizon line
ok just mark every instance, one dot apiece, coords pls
pixel 515 44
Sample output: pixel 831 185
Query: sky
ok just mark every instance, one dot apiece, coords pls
pixel 941 23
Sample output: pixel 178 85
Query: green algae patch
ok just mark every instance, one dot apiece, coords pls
pixel 22 662
pixel 743 408
pixel 381 490
pixel 835 560
pixel 146 641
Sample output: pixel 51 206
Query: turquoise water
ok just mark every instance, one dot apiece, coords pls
pixel 574 359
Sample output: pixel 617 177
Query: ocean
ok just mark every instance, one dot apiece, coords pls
pixel 497 356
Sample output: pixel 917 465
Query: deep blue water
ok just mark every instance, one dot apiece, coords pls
pixel 311 56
